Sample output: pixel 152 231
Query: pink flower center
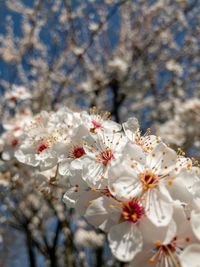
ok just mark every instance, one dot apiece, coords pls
pixel 17 128
pixel 15 142
pixel 96 125
pixel 105 156
pixel 78 152
pixel 42 147
pixel 132 211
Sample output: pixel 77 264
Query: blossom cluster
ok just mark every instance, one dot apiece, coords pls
pixel 185 124
pixel 134 187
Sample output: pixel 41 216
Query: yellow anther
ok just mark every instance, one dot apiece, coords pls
pixel 158 243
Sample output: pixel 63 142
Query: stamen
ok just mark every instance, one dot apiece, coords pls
pixel 165 255
pixel 149 180
pixel 105 156
pixel 132 211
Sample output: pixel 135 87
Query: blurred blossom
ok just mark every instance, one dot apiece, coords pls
pixel 88 238
pixel 131 58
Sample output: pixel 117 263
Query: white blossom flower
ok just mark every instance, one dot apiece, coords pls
pixel 17 93
pixel 171 251
pixel 101 151
pixel 147 181
pixel 88 238
pixel 95 122
pixel 132 131
pixel 126 224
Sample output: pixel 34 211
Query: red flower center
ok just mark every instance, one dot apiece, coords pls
pixel 15 142
pixel 132 211
pixel 78 152
pixel 96 124
pixel 17 128
pixel 105 156
pixel 149 180
pixel 42 147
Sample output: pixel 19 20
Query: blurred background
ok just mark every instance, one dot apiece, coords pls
pixel 130 57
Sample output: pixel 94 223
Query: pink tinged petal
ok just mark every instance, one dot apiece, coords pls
pixel 195 223
pixel 190 257
pixel 125 240
pixel 158 210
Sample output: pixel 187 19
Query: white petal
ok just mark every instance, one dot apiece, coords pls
pixel 195 223
pixel 130 128
pixel 85 199
pixel 151 233
pixel 136 152
pixel 64 167
pixel 125 240
pixel 170 232
pixel 162 159
pixel 70 197
pixel 190 256
pixel 111 126
pixel 100 210
pixel 26 158
pixel 48 164
pixel 93 174
pixel 183 224
pixel 75 178
pixel 123 181
pixel 158 210
pixel 178 191
pixel 142 258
